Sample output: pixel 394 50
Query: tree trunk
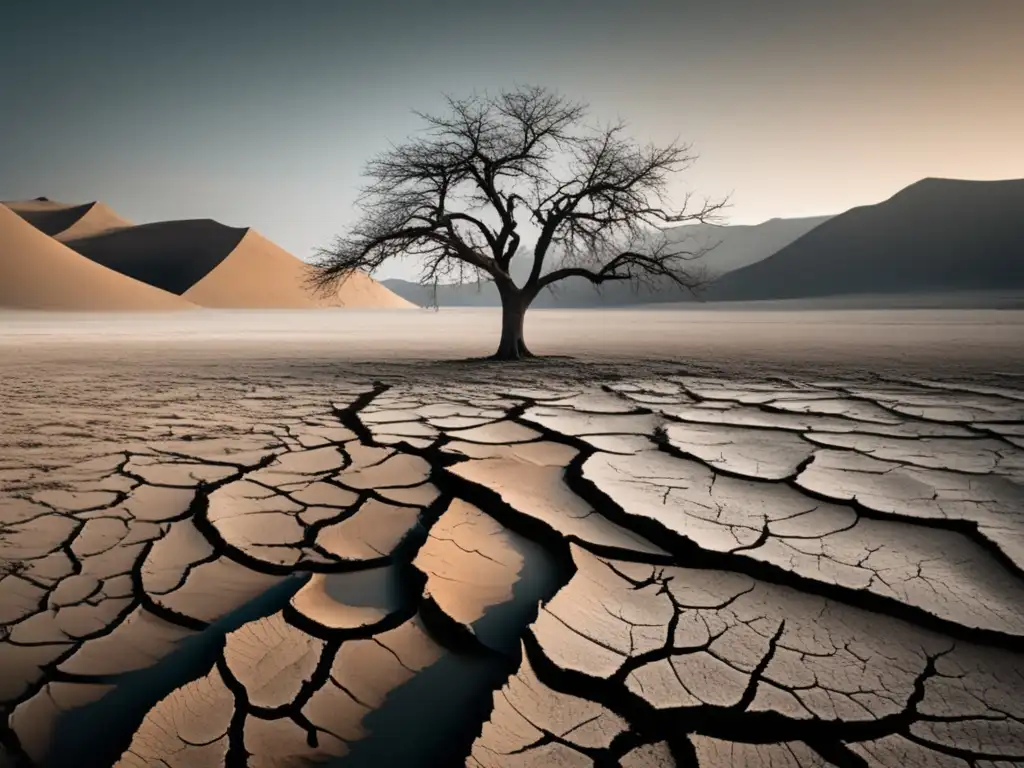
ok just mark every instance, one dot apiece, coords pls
pixel 513 313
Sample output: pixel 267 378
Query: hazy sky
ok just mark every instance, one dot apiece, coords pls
pixel 262 113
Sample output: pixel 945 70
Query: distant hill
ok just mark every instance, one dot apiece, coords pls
pixel 737 246
pixel 935 235
pixel 743 244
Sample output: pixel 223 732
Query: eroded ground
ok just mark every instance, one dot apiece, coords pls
pixel 668 570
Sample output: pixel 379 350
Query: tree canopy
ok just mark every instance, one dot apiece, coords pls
pixel 454 198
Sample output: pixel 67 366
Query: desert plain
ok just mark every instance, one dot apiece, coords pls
pixel 681 537
pixel 534 385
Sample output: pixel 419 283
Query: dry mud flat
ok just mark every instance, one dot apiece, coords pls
pixel 665 571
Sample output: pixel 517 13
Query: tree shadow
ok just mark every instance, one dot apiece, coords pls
pixel 530 360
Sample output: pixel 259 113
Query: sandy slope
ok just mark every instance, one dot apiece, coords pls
pixel 360 291
pixel 259 274
pixel 99 218
pixel 67 222
pixel 37 272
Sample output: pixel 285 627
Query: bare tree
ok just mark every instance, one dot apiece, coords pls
pixel 454 197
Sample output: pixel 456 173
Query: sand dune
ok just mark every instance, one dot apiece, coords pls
pixel 37 272
pixel 172 255
pixel 258 273
pixel 215 265
pixel 65 221
pixel 202 260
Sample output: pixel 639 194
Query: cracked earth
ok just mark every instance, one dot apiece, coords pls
pixel 671 571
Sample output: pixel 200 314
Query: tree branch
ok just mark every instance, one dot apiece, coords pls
pixel 452 198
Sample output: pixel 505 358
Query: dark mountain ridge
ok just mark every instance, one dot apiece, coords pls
pixel 935 235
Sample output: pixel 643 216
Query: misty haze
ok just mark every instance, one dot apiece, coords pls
pixel 609 384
